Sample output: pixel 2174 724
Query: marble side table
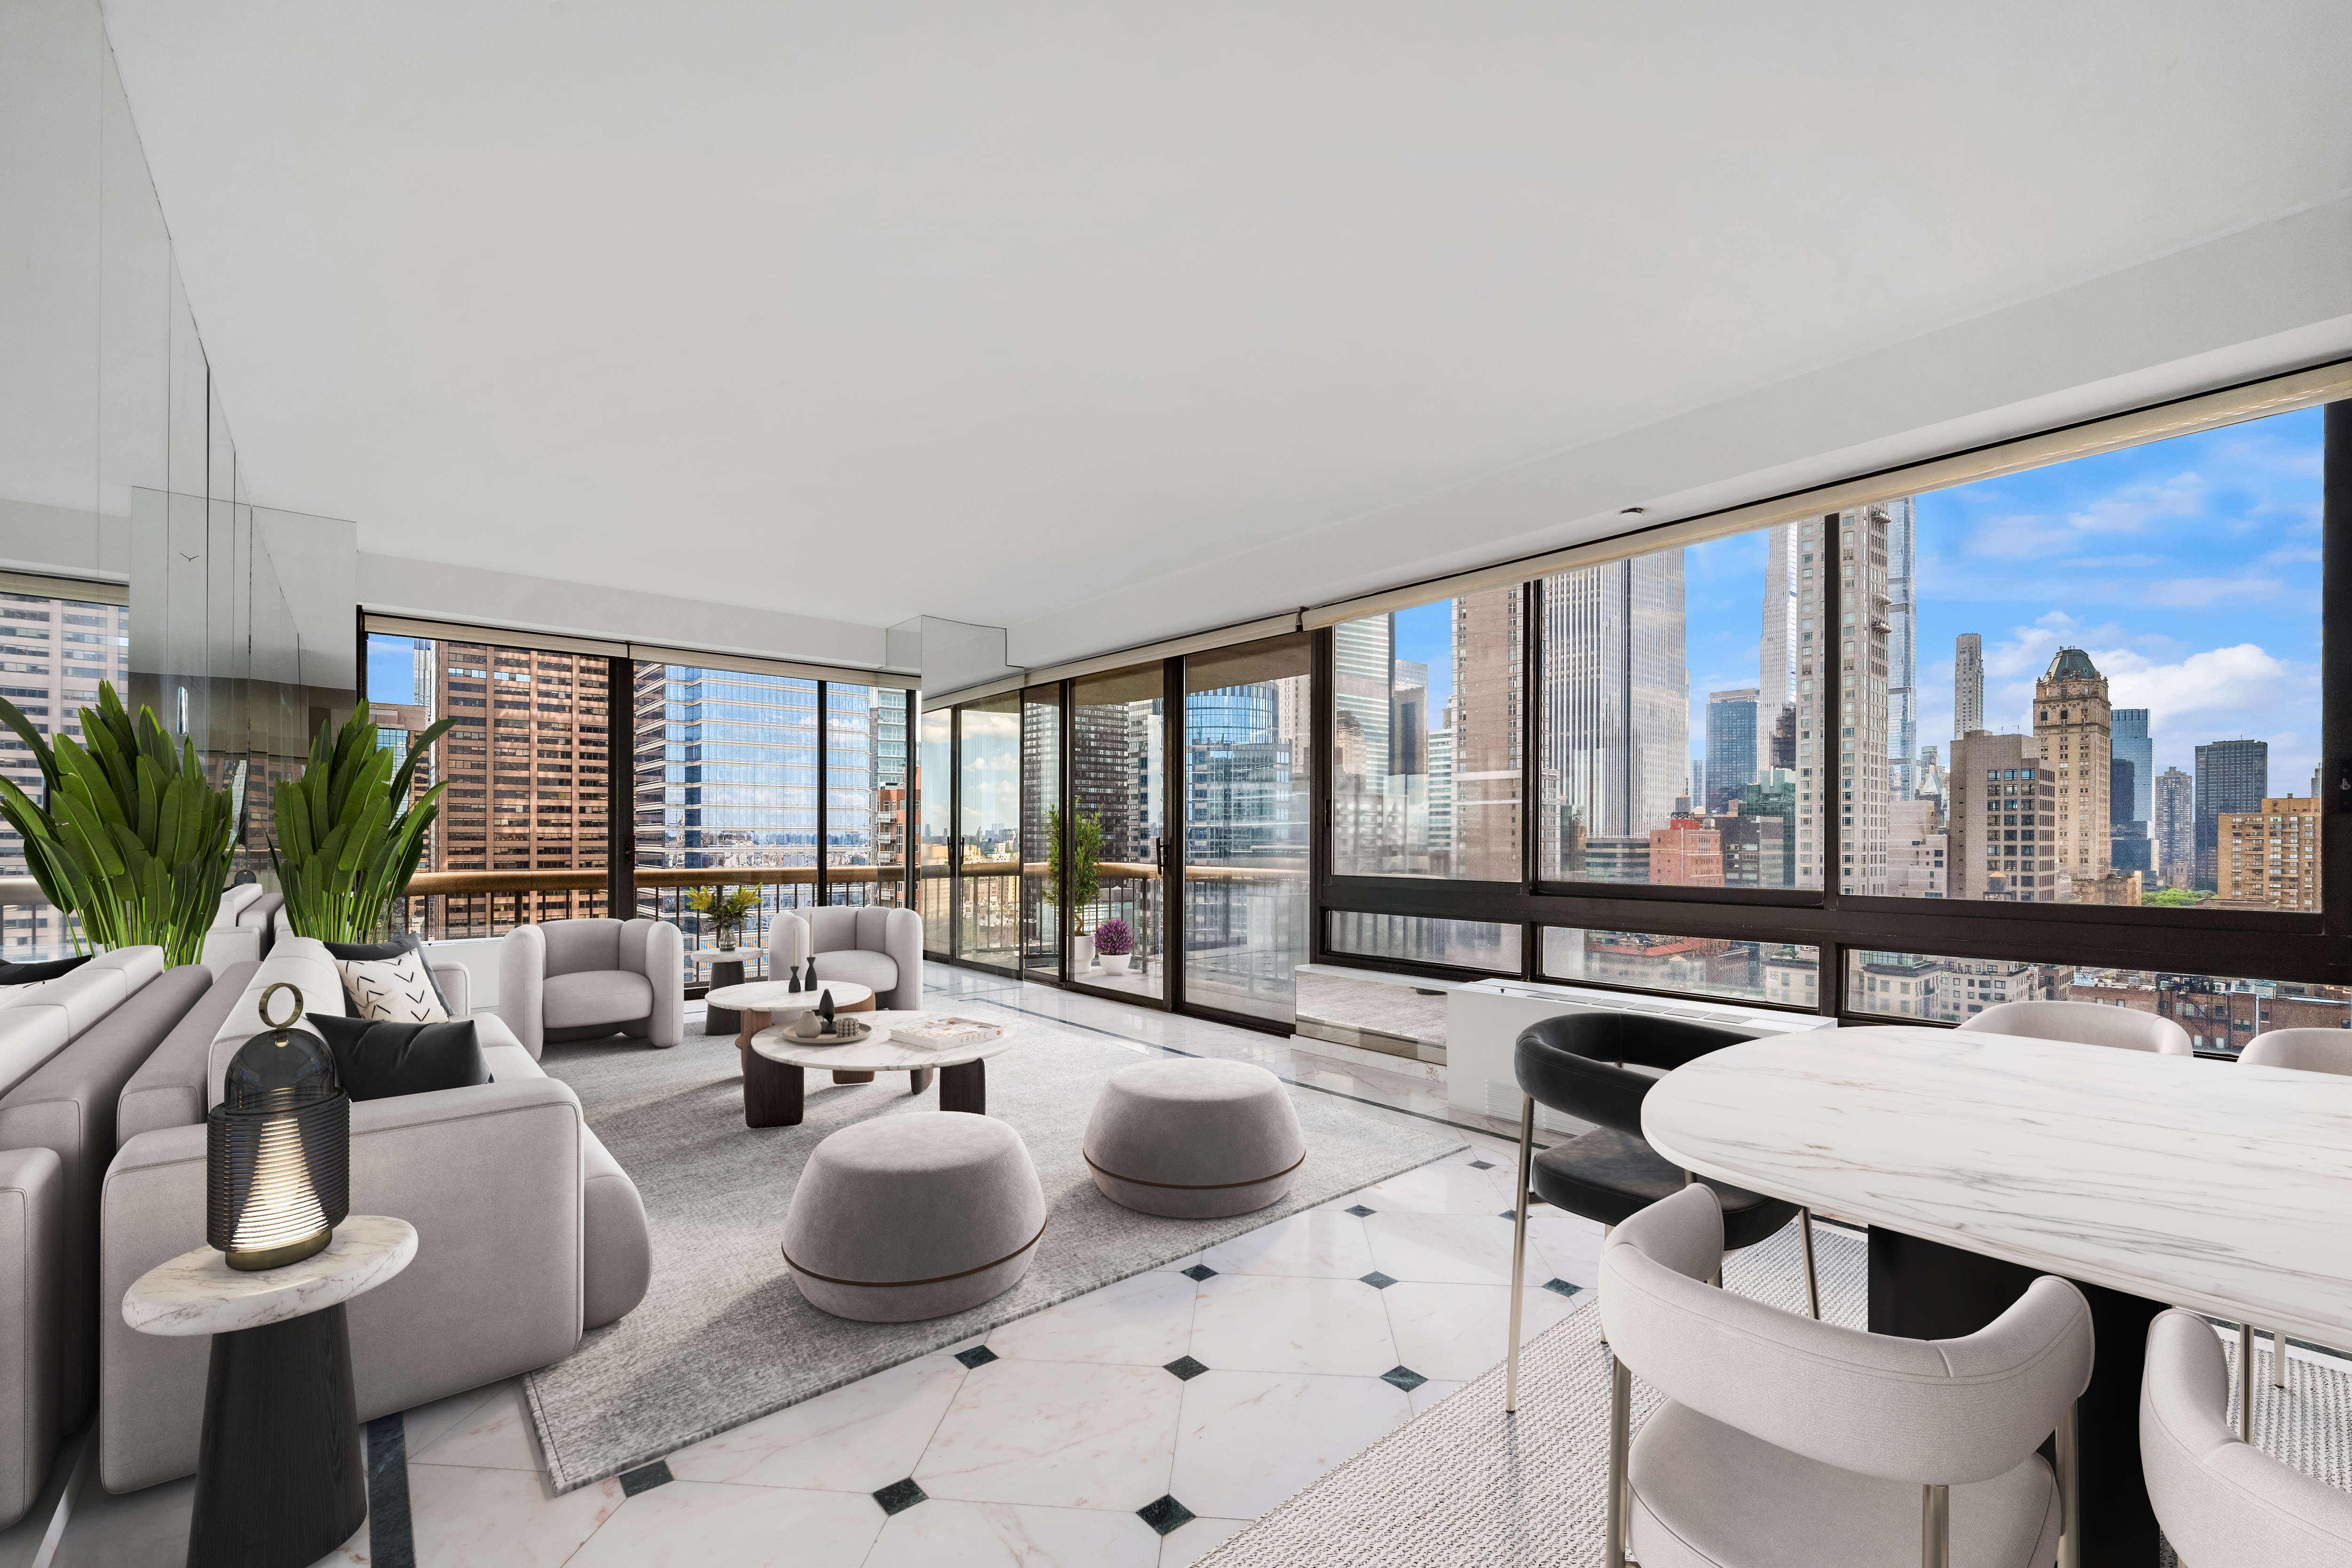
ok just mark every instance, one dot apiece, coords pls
pixel 280 1479
pixel 725 973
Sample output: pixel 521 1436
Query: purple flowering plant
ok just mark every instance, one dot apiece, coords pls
pixel 1113 938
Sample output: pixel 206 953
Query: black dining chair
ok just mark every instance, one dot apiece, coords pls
pixel 1579 1064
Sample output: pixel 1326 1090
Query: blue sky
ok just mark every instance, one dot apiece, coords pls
pixel 391 668
pixel 2188 568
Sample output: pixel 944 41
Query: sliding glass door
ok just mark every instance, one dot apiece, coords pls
pixel 988 839
pixel 1245 795
pixel 1118 822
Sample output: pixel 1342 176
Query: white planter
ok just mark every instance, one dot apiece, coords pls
pixel 1116 962
pixel 1082 953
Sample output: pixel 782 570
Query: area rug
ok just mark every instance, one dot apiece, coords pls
pixel 724 1337
pixel 1463 1486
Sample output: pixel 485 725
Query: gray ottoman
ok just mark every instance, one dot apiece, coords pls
pixel 1194 1139
pixel 914 1216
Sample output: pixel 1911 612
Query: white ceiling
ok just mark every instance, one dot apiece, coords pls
pixel 982 312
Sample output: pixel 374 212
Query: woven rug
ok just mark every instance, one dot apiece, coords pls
pixel 724 1337
pixel 1462 1486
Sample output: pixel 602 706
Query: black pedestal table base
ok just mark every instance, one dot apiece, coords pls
pixel 281 1478
pixel 1926 1290
pixel 723 1020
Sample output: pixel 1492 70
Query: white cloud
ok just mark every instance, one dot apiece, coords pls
pixel 2132 508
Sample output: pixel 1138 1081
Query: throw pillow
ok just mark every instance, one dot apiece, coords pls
pixel 376 1058
pixel 34 974
pixel 394 988
pixel 383 949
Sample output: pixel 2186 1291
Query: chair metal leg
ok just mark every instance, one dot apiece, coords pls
pixel 1519 1248
pixel 1621 1421
pixel 2278 1358
pixel 1935 1527
pixel 2070 1471
pixel 2245 1383
pixel 1812 1281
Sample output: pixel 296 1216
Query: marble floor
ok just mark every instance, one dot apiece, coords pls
pixel 1134 1427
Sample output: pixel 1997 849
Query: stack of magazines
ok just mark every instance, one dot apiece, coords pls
pixel 941 1029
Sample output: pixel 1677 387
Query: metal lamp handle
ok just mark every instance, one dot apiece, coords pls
pixel 271 991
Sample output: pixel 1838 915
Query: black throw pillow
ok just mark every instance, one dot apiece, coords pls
pixel 376 1058
pixel 34 974
pixel 384 950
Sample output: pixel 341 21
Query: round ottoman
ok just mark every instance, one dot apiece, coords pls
pixel 1194 1139
pixel 914 1216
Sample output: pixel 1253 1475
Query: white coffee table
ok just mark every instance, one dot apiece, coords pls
pixel 778 1095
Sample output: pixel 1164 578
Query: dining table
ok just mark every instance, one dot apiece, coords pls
pixel 1979 1160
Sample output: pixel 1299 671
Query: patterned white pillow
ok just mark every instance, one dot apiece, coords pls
pixel 394 988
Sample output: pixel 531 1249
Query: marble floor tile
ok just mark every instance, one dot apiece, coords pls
pixel 856 1439
pixel 1447 1186
pixel 428 1424
pixel 1247 1323
pixel 1568 1243
pixel 691 1524
pixel 940 1533
pixel 1145 1321
pixel 498 1435
pixel 1056 1434
pixel 1454 1333
pixel 1448 1248
pixel 1197 1540
pixel 1324 1244
pixel 468 1518
pixel 1427 1396
pixel 1250 1439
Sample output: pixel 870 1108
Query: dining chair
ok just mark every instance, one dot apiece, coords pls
pixel 2303 1050
pixel 1784 1440
pixel 1577 1063
pixel 2221 1499
pixel 2085 1023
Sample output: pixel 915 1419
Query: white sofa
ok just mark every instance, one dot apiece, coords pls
pixel 586 979
pixel 876 947
pixel 67 1047
pixel 529 1232
pixel 241 931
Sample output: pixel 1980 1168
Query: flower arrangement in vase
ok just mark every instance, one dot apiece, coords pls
pixel 1114 942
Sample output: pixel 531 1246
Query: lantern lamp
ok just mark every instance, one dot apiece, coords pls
pixel 278 1147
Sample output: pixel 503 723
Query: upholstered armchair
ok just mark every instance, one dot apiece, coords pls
pixel 585 978
pixel 881 949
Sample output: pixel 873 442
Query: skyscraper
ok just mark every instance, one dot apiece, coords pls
pixel 2003 817
pixel 1850 758
pixel 2173 826
pixel 2071 720
pixel 1777 650
pixel 1489 640
pixel 1902 648
pixel 1968 684
pixel 1363 662
pixel 2133 745
pixel 1731 737
pixel 1616 697
pixel 2231 776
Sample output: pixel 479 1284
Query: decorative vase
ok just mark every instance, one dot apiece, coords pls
pixel 1082 953
pixel 1116 962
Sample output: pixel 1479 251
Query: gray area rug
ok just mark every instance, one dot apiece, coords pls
pixel 724 1337
pixel 1463 1486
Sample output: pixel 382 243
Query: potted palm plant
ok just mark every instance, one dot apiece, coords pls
pixel 348 835
pixel 723 912
pixel 129 841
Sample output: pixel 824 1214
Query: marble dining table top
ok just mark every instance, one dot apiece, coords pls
pixel 879 1052
pixel 2212 1185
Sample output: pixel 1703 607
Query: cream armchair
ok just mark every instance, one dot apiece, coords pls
pixel 585 978
pixel 880 949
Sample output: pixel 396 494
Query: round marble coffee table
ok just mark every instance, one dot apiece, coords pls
pixel 281 1478
pixel 762 1003
pixel 962 1070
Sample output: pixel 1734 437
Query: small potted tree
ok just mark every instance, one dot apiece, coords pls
pixel 1114 941
pixel 1085 877
pixel 723 912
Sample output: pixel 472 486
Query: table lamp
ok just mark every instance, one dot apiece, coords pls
pixel 277 1151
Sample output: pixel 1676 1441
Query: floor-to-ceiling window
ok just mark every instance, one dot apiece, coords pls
pixel 1245 783
pixel 988 832
pixel 59 640
pixel 1118 797
pixel 935 818
pixel 864 793
pixel 1044 920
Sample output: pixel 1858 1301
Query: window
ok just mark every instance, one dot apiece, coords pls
pixel 1415 939
pixel 1118 729
pixel 1245 827
pixel 2099 678
pixel 1043 925
pixel 988 788
pixel 2221 1013
pixel 1784 974
pixel 1427 740
pixel 57 640
pixel 934 773
pixel 864 793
